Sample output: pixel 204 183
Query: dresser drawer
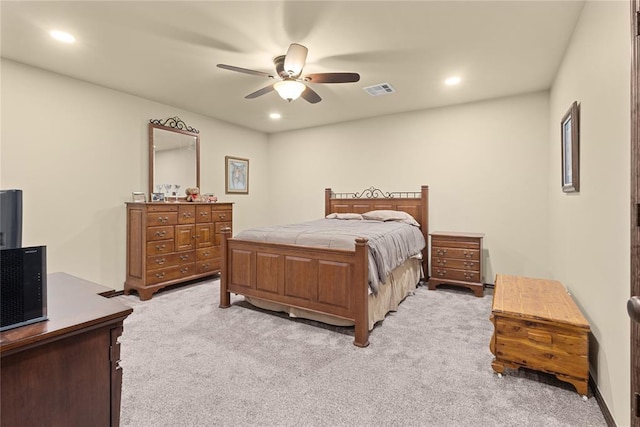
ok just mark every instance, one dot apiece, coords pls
pixel 159 247
pixel 162 218
pixel 171 273
pixel 209 265
pixel 452 274
pixel 208 253
pixel 162 207
pixel 160 233
pixel 221 215
pixel 156 262
pixel 187 214
pixel 203 213
pixel 460 264
pixel 546 347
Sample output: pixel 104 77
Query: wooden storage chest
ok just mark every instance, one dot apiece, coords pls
pixel 537 325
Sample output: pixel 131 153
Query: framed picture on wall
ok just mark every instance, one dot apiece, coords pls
pixel 236 178
pixel 570 146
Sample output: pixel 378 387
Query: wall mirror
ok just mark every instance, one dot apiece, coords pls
pixel 174 157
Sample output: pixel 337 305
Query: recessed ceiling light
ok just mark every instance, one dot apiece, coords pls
pixel 452 81
pixel 275 116
pixel 62 36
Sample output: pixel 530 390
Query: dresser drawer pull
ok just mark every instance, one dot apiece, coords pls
pixel 163 219
pixel 442 263
pixel 160 247
pixel 222 216
pixel 161 233
pixel 206 266
pixel 184 270
pixel 468 275
pixel 467 254
pixel 186 214
pixel 468 264
pixel 184 257
pixel 160 275
pixel 441 273
pixel 441 251
pixel 204 213
pixel 207 253
pixel 160 261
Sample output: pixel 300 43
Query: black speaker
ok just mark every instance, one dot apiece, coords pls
pixel 23 286
pixel 10 219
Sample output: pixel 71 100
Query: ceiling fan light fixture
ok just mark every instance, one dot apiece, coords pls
pixel 289 89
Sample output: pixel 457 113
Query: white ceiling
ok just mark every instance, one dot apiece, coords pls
pixel 167 51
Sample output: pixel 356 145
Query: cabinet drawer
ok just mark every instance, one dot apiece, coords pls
pixel 540 346
pixel 208 253
pixel 461 264
pixel 162 218
pixel 203 213
pixel 171 273
pixel 470 254
pixel 160 233
pixel 221 215
pixel 159 247
pixel 162 208
pixel 452 274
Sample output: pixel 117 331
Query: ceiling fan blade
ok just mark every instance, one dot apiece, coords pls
pixel 244 70
pixel 260 92
pixel 294 59
pixel 332 78
pixel 311 96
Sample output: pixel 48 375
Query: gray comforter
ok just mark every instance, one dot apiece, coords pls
pixel 391 243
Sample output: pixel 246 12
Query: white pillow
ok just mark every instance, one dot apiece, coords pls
pixel 389 215
pixel 344 216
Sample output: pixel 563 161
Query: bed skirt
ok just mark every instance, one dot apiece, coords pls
pixel 401 282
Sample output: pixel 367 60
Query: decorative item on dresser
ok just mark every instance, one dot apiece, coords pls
pixel 171 243
pixel 456 259
pixel 537 325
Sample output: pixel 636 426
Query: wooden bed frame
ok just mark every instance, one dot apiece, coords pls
pixel 327 281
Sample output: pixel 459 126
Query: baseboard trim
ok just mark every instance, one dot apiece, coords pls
pixel 601 404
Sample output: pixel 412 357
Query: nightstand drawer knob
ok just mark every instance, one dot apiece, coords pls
pixel 441 251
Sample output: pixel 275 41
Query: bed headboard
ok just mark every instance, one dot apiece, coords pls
pixel 415 203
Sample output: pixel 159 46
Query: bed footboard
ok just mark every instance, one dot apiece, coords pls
pixel 328 281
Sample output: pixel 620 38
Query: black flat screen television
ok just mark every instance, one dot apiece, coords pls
pixel 10 219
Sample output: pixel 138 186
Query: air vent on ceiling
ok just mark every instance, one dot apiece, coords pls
pixel 381 89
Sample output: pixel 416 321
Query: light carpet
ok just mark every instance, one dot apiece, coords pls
pixel 189 363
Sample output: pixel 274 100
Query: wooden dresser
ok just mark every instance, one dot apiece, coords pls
pixel 456 259
pixel 538 326
pixel 173 242
pixel 65 371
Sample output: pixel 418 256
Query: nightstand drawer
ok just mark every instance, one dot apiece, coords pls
pixel 452 274
pixel 456 263
pixel 471 254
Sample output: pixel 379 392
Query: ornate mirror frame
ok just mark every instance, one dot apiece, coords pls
pixel 172 124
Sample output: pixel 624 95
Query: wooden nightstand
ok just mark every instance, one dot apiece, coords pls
pixel 456 259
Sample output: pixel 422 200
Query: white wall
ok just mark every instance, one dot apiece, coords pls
pixel 589 239
pixel 486 165
pixel 78 151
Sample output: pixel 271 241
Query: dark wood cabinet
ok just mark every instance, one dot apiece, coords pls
pixel 65 371
pixel 456 259
pixel 173 242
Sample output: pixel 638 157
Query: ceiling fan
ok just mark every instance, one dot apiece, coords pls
pixel 291 84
